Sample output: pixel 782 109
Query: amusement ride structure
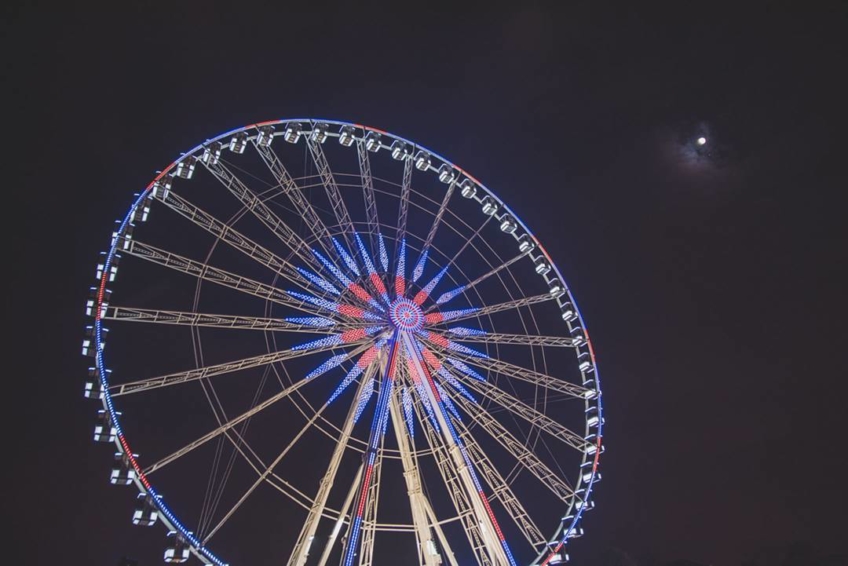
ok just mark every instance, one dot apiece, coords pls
pixel 358 352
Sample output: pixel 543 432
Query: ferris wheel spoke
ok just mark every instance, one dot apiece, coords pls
pixel 369 518
pixel 516 372
pixel 231 280
pixel 368 193
pixel 337 527
pixel 311 325
pixel 453 483
pixel 425 249
pixel 500 488
pixel 332 189
pixel 245 245
pixel 375 440
pixel 310 526
pixel 224 427
pixel 523 455
pixel 456 316
pixel 207 372
pixel 496 545
pixel 264 475
pixel 461 334
pixel 528 413
pixel 403 206
pixel 417 500
pixel 295 195
pixel 445 297
pixel 264 214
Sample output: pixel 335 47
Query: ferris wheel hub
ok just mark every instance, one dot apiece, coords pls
pixel 406 315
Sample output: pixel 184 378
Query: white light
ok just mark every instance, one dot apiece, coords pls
pixel 702 141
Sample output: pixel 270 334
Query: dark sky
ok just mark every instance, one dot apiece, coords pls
pixel 714 285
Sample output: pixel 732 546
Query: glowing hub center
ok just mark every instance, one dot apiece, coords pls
pixel 406 315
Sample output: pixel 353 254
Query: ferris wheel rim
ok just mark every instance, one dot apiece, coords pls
pixel 141 481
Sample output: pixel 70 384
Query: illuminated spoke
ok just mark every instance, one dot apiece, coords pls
pixel 307 533
pixel 425 249
pixel 496 544
pixel 518 449
pixel 470 335
pixel 516 372
pixel 404 200
pixel 219 276
pixel 417 500
pixel 264 214
pixel 453 483
pixel 312 325
pixel 295 195
pixel 445 297
pixel 434 318
pixel 369 517
pixel 332 189
pixel 375 441
pixel 241 418
pixel 239 241
pixel 219 369
pixel 500 488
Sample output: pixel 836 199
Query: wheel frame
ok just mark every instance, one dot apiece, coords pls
pixel 571 518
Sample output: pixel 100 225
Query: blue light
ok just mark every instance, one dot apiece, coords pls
pixel 321 303
pixel 321 342
pixel 419 267
pixel 367 390
pixel 333 362
pixel 466 369
pixel 346 257
pixel 355 372
pixel 337 338
pixel 375 280
pixel 435 281
pixel 445 297
pixel 343 279
pixel 462 331
pixel 466 350
pixel 425 400
pixel 406 399
pixel 365 257
pixel 318 281
pixel 449 378
pixel 447 401
pixel 384 256
pixel 317 321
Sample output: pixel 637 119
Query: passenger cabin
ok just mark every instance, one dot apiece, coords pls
pixel 346 134
pixel 292 132
pixel 265 136
pixel 177 550
pixel 372 141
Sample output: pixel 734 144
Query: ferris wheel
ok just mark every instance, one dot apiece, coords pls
pixel 330 345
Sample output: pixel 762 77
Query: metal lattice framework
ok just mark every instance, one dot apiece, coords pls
pixel 340 301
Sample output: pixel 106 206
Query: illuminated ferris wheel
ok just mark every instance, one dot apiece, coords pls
pixel 330 345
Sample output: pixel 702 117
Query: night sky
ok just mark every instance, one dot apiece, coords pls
pixel 713 281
